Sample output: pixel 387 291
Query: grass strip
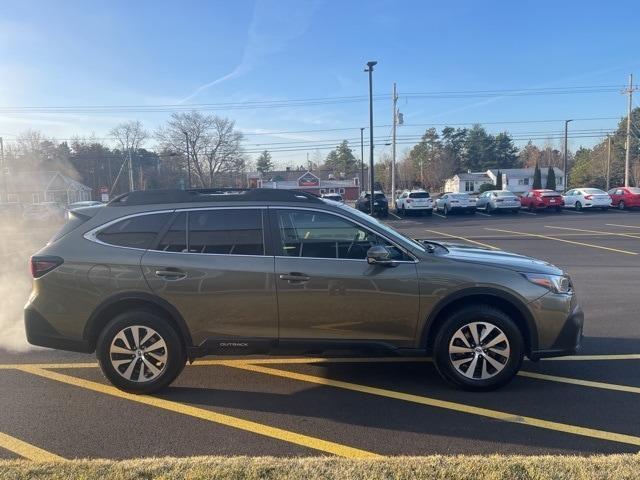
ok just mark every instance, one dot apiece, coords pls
pixel 440 467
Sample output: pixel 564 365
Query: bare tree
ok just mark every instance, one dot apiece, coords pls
pixel 129 135
pixel 213 148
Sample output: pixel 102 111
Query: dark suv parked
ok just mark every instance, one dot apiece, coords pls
pixel 155 279
pixel 380 203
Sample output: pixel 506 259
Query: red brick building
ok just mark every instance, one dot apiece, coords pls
pixel 317 182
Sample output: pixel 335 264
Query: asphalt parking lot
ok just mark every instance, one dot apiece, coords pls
pixel 55 404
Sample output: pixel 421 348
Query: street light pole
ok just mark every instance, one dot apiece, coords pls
pixel 361 159
pixel 369 69
pixel 566 172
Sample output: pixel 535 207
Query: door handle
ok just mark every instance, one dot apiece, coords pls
pixel 295 277
pixel 171 274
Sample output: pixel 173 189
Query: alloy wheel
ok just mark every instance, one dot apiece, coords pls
pixel 479 350
pixel 138 353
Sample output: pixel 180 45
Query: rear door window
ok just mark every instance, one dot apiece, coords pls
pixel 134 232
pixel 419 195
pixel 226 232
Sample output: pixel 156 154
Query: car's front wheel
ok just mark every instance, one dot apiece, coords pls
pixel 478 348
pixel 140 352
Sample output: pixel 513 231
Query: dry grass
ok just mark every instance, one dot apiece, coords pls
pixel 401 468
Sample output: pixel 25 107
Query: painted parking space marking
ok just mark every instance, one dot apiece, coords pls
pixel 528 213
pixel 439 215
pixel 26 450
pixel 596 358
pixel 447 405
pixel 394 215
pixel 618 225
pixel 483 214
pixel 208 415
pixel 629 235
pixel 486 245
pixel 580 382
pixel 582 244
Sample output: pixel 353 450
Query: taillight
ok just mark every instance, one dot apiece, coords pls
pixel 588 197
pixel 408 200
pixel 44 264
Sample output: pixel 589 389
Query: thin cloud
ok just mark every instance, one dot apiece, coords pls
pixel 269 33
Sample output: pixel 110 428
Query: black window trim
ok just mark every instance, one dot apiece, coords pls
pixel 275 235
pixel 92 235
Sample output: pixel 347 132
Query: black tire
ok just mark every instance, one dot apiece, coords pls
pixel 621 205
pixel 384 213
pixel 578 206
pixel 404 211
pixel 445 210
pixel 468 315
pixel 488 209
pixel 175 351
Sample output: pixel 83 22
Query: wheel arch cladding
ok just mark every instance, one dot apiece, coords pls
pixel 117 304
pixel 503 301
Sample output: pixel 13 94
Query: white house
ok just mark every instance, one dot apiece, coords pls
pixel 38 187
pixel 466 182
pixel 516 180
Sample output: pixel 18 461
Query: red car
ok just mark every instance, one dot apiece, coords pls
pixel 536 199
pixel 625 197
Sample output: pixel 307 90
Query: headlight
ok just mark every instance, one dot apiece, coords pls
pixel 555 283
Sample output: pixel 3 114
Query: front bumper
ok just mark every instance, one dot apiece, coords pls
pixel 567 339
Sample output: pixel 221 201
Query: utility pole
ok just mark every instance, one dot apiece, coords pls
pixel 131 188
pixel 627 155
pixel 369 69
pixel 186 136
pixel 3 167
pixel 361 159
pixel 566 169
pixel 608 161
pixel 393 144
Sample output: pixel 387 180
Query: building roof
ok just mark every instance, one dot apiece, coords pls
pixel 475 176
pixel 294 175
pixel 42 182
pixel 523 172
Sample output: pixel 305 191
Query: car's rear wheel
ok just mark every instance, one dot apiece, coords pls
pixel 478 348
pixel 578 206
pixel 621 205
pixel 488 209
pixel 446 210
pixel 140 352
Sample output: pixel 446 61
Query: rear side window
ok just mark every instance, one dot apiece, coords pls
pixel 419 195
pixel 175 238
pixel 226 231
pixel 134 232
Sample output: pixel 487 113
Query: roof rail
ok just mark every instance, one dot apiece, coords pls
pixel 150 197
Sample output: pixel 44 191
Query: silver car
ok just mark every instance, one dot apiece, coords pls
pixel 456 202
pixel 498 200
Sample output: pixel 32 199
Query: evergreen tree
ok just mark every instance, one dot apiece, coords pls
pixel 499 180
pixel 537 178
pixel 342 160
pixel 263 163
pixel 551 179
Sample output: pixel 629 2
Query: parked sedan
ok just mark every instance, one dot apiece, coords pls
pixel 456 202
pixel 380 203
pixel 336 197
pixel 542 199
pixel 580 198
pixel 414 201
pixel 498 200
pixel 625 197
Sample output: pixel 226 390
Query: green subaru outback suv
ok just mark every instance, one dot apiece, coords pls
pixel 158 278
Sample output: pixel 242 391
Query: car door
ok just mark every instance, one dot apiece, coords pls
pixel 211 265
pixel 327 291
pixel 482 200
pixel 569 199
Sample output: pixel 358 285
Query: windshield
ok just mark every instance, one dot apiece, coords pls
pixel 459 196
pixel 549 194
pixel 377 196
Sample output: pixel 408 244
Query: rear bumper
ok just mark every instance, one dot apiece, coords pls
pixel 41 333
pixel 569 339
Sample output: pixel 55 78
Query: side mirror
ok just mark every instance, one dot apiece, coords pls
pixel 379 255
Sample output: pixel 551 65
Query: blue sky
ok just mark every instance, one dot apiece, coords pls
pixel 75 53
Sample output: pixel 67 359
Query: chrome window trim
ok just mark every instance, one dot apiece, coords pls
pixel 402 248
pixel 91 235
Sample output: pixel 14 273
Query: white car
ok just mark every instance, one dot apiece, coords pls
pixel 498 200
pixel 580 198
pixel 336 197
pixel 456 202
pixel 418 201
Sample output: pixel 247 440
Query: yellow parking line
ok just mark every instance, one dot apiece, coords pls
pixel 564 240
pixel 622 356
pixel 630 235
pixel 210 416
pixel 617 225
pixel 447 405
pixel 56 366
pixel 26 450
pixel 463 238
pixel 580 382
